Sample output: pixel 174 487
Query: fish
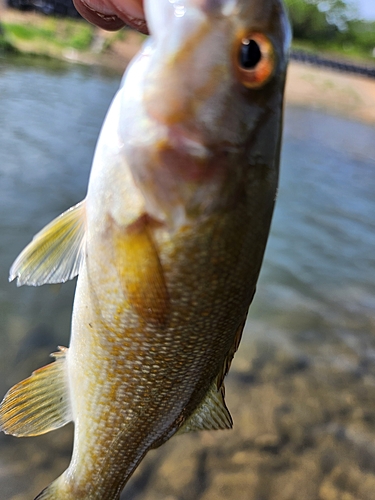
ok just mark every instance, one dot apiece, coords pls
pixel 167 244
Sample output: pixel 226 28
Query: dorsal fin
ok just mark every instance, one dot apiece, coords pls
pixel 40 403
pixel 55 254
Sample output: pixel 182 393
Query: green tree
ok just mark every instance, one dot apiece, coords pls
pixel 332 24
pixel 337 12
pixel 310 23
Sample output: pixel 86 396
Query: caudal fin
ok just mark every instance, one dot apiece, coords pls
pixel 54 492
pixel 51 492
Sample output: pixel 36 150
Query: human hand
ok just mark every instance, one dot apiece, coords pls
pixel 113 14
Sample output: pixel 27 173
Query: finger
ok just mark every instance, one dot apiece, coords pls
pixel 113 14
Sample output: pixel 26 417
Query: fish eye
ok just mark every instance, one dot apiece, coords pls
pixel 250 54
pixel 255 60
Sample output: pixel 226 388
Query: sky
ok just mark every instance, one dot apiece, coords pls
pixel 366 9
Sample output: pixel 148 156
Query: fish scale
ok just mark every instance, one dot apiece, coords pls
pixel 195 345
pixel 167 244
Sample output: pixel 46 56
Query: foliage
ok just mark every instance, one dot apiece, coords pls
pixel 68 34
pixel 5 45
pixel 331 24
pixel 309 22
pixel 27 31
pixel 81 38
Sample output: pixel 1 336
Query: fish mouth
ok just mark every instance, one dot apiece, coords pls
pixel 187 142
pixel 186 153
pixel 110 16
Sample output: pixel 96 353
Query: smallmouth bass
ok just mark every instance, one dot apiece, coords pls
pixel 167 244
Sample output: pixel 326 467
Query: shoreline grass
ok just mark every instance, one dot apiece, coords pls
pixel 45 36
pixel 37 36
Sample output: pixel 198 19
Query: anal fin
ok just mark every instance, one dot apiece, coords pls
pixel 229 358
pixel 40 403
pixel 55 253
pixel 211 414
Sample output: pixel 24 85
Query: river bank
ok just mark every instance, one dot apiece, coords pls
pixel 347 95
pixel 342 94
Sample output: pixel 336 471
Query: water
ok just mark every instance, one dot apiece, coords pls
pixel 302 388
pixel 49 122
pixel 320 257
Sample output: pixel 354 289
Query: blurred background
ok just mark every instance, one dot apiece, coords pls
pixel 302 387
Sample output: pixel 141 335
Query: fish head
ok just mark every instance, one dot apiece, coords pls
pixel 204 99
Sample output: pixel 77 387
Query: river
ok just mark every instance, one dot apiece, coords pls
pixel 302 388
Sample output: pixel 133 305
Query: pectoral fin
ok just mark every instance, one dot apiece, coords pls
pixel 211 414
pixel 56 252
pixel 140 271
pixel 39 403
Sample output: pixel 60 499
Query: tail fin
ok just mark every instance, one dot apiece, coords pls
pixel 56 491
pixel 52 492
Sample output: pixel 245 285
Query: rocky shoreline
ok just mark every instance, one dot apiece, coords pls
pixel 302 431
